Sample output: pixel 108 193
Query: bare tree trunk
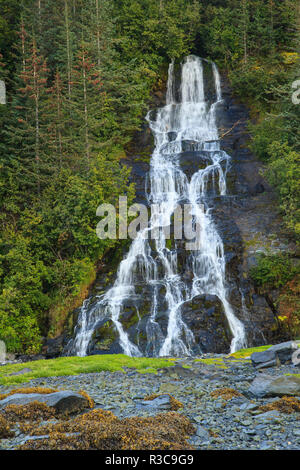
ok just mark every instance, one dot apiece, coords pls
pixel 87 149
pixel 69 59
pixel 23 46
pixel 58 108
pixel 245 27
pixel 98 33
pixel 37 119
pixel 271 3
pixel 40 15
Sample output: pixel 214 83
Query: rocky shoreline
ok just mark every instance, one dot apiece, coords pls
pixel 222 420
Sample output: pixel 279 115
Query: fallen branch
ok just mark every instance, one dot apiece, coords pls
pixel 230 130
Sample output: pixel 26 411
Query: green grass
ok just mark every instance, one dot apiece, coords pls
pixel 242 353
pixel 216 361
pixel 79 365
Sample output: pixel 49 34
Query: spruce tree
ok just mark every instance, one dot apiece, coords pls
pixel 27 129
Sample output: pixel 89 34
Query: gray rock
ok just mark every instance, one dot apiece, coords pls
pixel 162 402
pixel 179 371
pixel 250 432
pixel 266 445
pixel 268 386
pixel 269 417
pixel 275 355
pixel 246 422
pixel 202 433
pixel 284 351
pixel 63 402
pixel 273 363
pixel 248 407
pixel 22 371
pixel 263 357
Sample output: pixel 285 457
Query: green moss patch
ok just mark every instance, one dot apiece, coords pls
pixel 215 361
pixel 80 365
pixel 243 353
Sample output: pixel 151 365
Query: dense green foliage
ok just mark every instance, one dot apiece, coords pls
pixel 273 271
pixel 79 75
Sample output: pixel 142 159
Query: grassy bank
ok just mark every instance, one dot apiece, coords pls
pixel 63 366
pixel 79 365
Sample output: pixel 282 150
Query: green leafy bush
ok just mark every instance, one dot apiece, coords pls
pixel 272 270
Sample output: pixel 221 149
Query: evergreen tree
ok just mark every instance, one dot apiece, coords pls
pixel 27 132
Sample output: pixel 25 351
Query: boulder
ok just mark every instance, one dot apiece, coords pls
pixel 275 355
pixel 205 317
pixel 268 386
pixel 284 351
pixel 63 402
pixel 179 371
pixel 54 347
pixel 264 358
pixel 163 402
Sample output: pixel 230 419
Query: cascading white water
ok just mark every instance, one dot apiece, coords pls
pixel 187 121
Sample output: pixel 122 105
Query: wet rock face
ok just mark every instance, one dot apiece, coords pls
pixel 246 218
pixel 205 316
pixel 249 222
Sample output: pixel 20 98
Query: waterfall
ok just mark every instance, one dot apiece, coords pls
pixel 187 121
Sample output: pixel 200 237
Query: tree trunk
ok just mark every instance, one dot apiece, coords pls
pixel 69 59
pixel 40 16
pixel 23 45
pixel 87 151
pixel 58 108
pixel 98 34
pixel 245 30
pixel 37 119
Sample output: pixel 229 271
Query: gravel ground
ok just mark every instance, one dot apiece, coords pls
pixel 223 425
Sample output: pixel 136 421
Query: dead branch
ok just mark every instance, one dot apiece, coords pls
pixel 230 130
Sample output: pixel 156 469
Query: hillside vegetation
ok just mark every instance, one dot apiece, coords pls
pixel 79 76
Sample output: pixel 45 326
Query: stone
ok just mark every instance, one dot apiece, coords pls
pixel 268 386
pixel 269 417
pixel 202 433
pixel 275 355
pixel 274 363
pixel 284 351
pixel 63 402
pixel 250 432
pixel 248 407
pixel 163 402
pixel 246 422
pixel 168 388
pixel 22 371
pixel 263 357
pixel 266 445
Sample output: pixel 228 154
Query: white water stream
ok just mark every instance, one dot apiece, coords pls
pixel 190 121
